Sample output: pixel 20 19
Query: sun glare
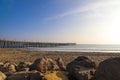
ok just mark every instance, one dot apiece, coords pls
pixel 113 29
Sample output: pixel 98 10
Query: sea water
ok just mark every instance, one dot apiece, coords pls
pixel 81 48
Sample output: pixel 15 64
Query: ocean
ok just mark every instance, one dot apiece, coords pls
pixel 81 48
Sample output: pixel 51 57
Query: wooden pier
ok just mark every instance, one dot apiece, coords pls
pixel 24 44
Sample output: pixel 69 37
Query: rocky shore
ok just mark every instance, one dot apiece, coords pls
pixel 43 65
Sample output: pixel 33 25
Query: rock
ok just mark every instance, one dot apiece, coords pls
pixel 1 63
pixel 25 69
pixel 35 75
pixel 2 76
pixel 80 68
pixel 2 67
pixel 11 68
pixel 61 64
pixel 23 66
pixel 8 67
pixel 44 64
pixel 32 75
pixel 39 65
pixel 108 69
pixel 55 75
pixel 51 65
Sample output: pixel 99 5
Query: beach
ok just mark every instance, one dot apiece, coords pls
pixel 24 64
pixel 16 55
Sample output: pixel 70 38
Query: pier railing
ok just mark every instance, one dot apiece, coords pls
pixel 23 44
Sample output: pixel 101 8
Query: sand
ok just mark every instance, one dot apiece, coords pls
pixel 16 55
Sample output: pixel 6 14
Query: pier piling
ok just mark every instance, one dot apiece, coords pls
pixel 24 44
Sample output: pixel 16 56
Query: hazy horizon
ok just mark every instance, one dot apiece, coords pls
pixel 80 21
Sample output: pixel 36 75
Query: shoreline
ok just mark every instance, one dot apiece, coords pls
pixel 69 50
pixel 17 55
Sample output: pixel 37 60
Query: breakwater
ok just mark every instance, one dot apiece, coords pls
pixel 23 44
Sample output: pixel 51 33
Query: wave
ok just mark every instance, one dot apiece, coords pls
pixel 81 48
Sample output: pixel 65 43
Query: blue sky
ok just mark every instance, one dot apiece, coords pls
pixel 80 21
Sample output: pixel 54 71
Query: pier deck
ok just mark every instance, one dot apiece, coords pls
pixel 23 44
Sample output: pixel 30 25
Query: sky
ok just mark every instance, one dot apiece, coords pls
pixel 76 21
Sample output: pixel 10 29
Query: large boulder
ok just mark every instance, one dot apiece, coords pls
pixel 81 68
pixel 2 76
pixel 108 70
pixel 44 64
pixel 39 65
